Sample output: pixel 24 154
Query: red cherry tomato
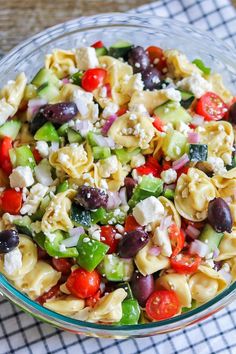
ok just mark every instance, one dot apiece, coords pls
pixel 11 201
pixel 83 284
pixel 108 234
pixel 177 239
pixel 166 165
pixel 184 263
pixel 91 301
pixel 5 162
pixel 49 294
pixel 122 110
pixel 108 87
pixel 158 124
pixel 131 224
pixel 162 304
pixel 62 265
pixel 183 169
pixel 98 44
pixel 37 155
pixel 157 57
pixel 211 107
pixel 150 167
pixel 93 78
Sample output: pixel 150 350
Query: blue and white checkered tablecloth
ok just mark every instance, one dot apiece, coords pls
pixel 22 334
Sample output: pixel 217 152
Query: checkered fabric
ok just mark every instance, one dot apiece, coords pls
pixel 22 334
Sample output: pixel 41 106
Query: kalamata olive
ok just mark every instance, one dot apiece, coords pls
pixel 9 239
pixel 142 287
pixel 37 122
pixel 232 113
pixel 217 265
pixel 151 78
pixel 129 184
pixel 91 198
pixel 132 242
pixel 138 59
pixel 219 215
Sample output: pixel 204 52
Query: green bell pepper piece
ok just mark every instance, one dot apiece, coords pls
pixel 193 306
pixel 22 156
pixel 53 247
pixel 90 252
pixel 199 63
pixel 47 133
pixel 169 194
pixel 62 187
pixel 125 155
pixel 100 152
pixel 149 186
pixel 40 240
pixel 80 217
pixel 115 268
pixel 130 312
pixel 77 77
pixel 98 215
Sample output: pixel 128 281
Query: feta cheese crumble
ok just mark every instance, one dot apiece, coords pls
pixel 169 176
pixel 21 177
pixel 148 210
pixel 13 261
pixel 195 84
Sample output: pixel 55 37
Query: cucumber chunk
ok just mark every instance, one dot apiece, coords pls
pixel 149 186
pixel 47 133
pixel 120 49
pixel 210 237
pixel 174 145
pixel 80 217
pixel 23 225
pixel 73 136
pixel 125 155
pixel 171 113
pixel 116 269
pixel 198 152
pixel 100 152
pixel 101 51
pixel 45 76
pixel 48 91
pixel 22 156
pixel 11 129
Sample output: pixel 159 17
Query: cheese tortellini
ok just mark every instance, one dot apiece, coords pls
pixel 61 62
pixel 226 183
pixel 150 99
pixel 178 64
pixel 73 159
pixel 132 132
pixel 65 305
pixel 227 246
pixel 218 87
pixel 193 193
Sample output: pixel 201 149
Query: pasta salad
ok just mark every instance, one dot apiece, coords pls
pixel 118 183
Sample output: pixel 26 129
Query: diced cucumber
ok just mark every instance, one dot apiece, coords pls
pixel 62 131
pixel 91 140
pixel 210 237
pixel 45 76
pixel 22 156
pixel 120 49
pixel 115 268
pixel 125 155
pixel 42 208
pixel 187 99
pixel 199 63
pixel 11 129
pixel 174 145
pixel 149 186
pixel 113 218
pixel 47 133
pixel 169 194
pixel 80 217
pixel 101 51
pixel 198 152
pixel 125 285
pixel 77 77
pixel 171 113
pixel 23 225
pixel 90 252
pixel 48 91
pixel 100 152
pixel 73 136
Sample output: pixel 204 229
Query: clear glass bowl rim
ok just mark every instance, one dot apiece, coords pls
pixel 101 21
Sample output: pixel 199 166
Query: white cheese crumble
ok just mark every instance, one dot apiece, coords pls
pixel 42 148
pixel 195 84
pixel 13 261
pixel 95 232
pixel 43 173
pixel 21 177
pixel 137 160
pixel 110 109
pixel 148 210
pixel 161 238
pixel 169 176
pixel 217 165
pixel 108 166
pixel 34 198
pixel 86 58
pixel 172 94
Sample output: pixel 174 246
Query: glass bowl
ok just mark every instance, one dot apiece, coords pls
pixel 142 30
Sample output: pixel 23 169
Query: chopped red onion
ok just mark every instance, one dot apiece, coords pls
pixel 192 231
pixel 76 230
pixel 226 275
pixel 71 241
pixel 34 105
pixel 154 251
pixel 113 200
pixel 193 137
pixel 123 196
pixel 65 81
pixel 197 120
pixel 198 247
pixel 180 162
pixel 216 253
pixel 169 186
pixel 108 123
pixel 54 146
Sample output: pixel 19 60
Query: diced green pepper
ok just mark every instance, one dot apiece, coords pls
pixel 149 186
pixel 199 63
pixel 62 131
pixel 169 194
pixel 113 217
pixel 98 215
pixel 125 155
pixel 115 268
pixel 90 252
pixel 193 306
pixel 80 217
pixel 77 77
pixel 62 187
pixel 91 138
pixel 22 156
pixel 210 237
pixel 125 285
pixel 100 152
pixel 130 312
pixel 40 240
pixel 47 133
pixel 54 248
pixel 23 225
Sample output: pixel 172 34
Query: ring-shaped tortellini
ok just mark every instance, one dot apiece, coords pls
pixel 29 253
pixel 205 284
pixel 170 210
pixel 155 145
pixel 177 283
pixel 219 137
pixel 232 264
pixel 56 216
pixel 218 87
pixel 65 305
pixel 61 62
pixel 11 96
pixel 108 308
pixel 149 264
pixel 132 133
pixel 73 159
pixel 115 180
pixel 178 64
pixel 39 280
pixel 226 183
pixel 150 99
pixel 193 193
pixel 227 246
pixel 117 72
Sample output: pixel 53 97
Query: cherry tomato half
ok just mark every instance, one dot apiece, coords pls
pixel 184 263
pixel 108 234
pixel 131 224
pixel 83 284
pixel 177 239
pixel 122 110
pixel 211 107
pixel 158 124
pixel 11 201
pixel 93 78
pixel 5 162
pixel 157 57
pixel 98 44
pixel 162 304
pixel 62 265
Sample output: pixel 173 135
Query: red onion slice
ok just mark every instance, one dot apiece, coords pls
pixel 192 231
pixel 113 200
pixel 198 247
pixel 180 162
pixel 193 137
pixel 108 123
